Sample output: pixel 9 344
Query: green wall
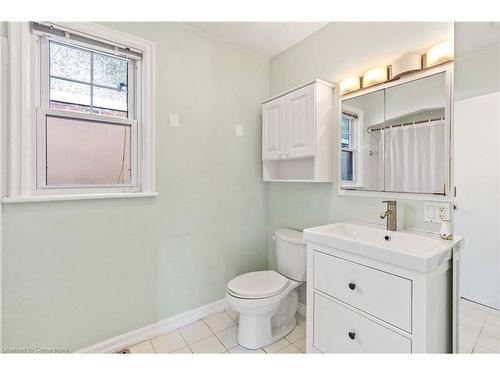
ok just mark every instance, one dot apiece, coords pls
pixel 79 272
pixel 337 51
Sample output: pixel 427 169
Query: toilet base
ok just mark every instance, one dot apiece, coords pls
pixel 278 320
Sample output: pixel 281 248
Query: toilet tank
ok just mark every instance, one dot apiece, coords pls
pixel 291 254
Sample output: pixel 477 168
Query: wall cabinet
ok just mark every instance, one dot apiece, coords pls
pixel 297 134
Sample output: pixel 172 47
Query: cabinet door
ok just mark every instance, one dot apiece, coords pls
pixel 272 129
pixel 299 123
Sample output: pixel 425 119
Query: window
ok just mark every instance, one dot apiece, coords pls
pixel 87 125
pixel 91 96
pixel 348 144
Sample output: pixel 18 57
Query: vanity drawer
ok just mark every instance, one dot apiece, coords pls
pixel 381 294
pixel 338 329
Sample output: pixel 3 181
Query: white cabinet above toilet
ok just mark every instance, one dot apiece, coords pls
pixel 297 134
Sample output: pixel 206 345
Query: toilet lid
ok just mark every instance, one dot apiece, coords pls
pixel 259 284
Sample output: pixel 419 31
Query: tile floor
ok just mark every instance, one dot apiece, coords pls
pixel 479 333
pixel 479 330
pixel 217 334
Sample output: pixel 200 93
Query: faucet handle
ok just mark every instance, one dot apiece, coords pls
pixel 388 201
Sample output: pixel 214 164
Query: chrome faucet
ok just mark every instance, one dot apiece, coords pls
pixel 391 215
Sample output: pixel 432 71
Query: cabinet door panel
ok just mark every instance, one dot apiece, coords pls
pixel 383 295
pixel 272 129
pixel 338 329
pixel 299 123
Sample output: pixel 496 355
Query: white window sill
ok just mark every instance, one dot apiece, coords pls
pixel 76 197
pixel 352 186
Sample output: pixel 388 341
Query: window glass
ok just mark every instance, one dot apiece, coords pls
pixel 69 62
pixel 110 71
pixel 87 81
pixel 346 132
pixel 347 165
pixel 83 152
pixel 69 92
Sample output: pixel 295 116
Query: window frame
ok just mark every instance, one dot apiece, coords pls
pixel 29 92
pixel 356 142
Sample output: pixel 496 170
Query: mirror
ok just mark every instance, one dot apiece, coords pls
pixel 396 139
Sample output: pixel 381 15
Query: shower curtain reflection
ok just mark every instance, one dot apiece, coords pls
pixel 415 158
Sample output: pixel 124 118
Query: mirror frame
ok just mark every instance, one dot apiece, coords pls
pixel 446 68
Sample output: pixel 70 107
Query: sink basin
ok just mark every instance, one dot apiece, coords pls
pixel 413 250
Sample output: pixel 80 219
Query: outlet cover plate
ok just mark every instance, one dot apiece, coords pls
pixel 436 212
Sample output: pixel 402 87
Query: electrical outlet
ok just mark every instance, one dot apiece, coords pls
pixel 436 212
pixel 442 213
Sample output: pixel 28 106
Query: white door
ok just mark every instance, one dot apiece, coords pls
pixel 477 214
pixel 299 123
pixel 272 129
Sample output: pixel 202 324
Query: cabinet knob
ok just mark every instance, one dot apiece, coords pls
pixel 352 286
pixel 352 335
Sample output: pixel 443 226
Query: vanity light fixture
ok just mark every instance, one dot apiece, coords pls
pixel 406 64
pixel 439 54
pixel 374 76
pixel 349 85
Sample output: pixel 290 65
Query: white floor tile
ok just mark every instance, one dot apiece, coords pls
pixel 469 332
pixel 142 348
pixel 484 350
pixel 232 314
pixel 297 333
pixel 301 344
pixel 276 346
pixel 469 311
pixel 490 337
pixel 242 350
pixel 493 317
pixel 465 347
pixel 184 350
pixel 195 332
pixel 219 322
pixel 301 321
pixel 210 344
pixel 474 305
pixel 168 343
pixel 290 349
pixel 229 337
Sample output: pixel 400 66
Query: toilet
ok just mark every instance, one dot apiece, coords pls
pixel 267 300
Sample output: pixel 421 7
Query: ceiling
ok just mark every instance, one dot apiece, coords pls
pixel 268 38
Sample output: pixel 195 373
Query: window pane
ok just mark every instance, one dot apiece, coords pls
pixel 347 165
pixel 110 71
pixel 69 92
pixel 345 125
pixel 112 99
pixel 87 153
pixel 68 62
pixel 346 133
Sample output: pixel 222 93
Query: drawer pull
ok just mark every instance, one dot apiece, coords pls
pixel 352 286
pixel 352 335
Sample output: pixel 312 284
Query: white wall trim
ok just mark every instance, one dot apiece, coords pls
pixel 3 119
pixel 133 337
pixel 301 309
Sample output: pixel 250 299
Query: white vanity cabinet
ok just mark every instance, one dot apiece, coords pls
pixel 297 134
pixel 358 302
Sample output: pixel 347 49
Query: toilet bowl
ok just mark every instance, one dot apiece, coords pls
pixel 267 300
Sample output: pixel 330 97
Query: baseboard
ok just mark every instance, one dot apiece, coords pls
pixel 133 337
pixel 301 309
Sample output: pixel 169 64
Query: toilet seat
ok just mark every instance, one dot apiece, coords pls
pixel 260 284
